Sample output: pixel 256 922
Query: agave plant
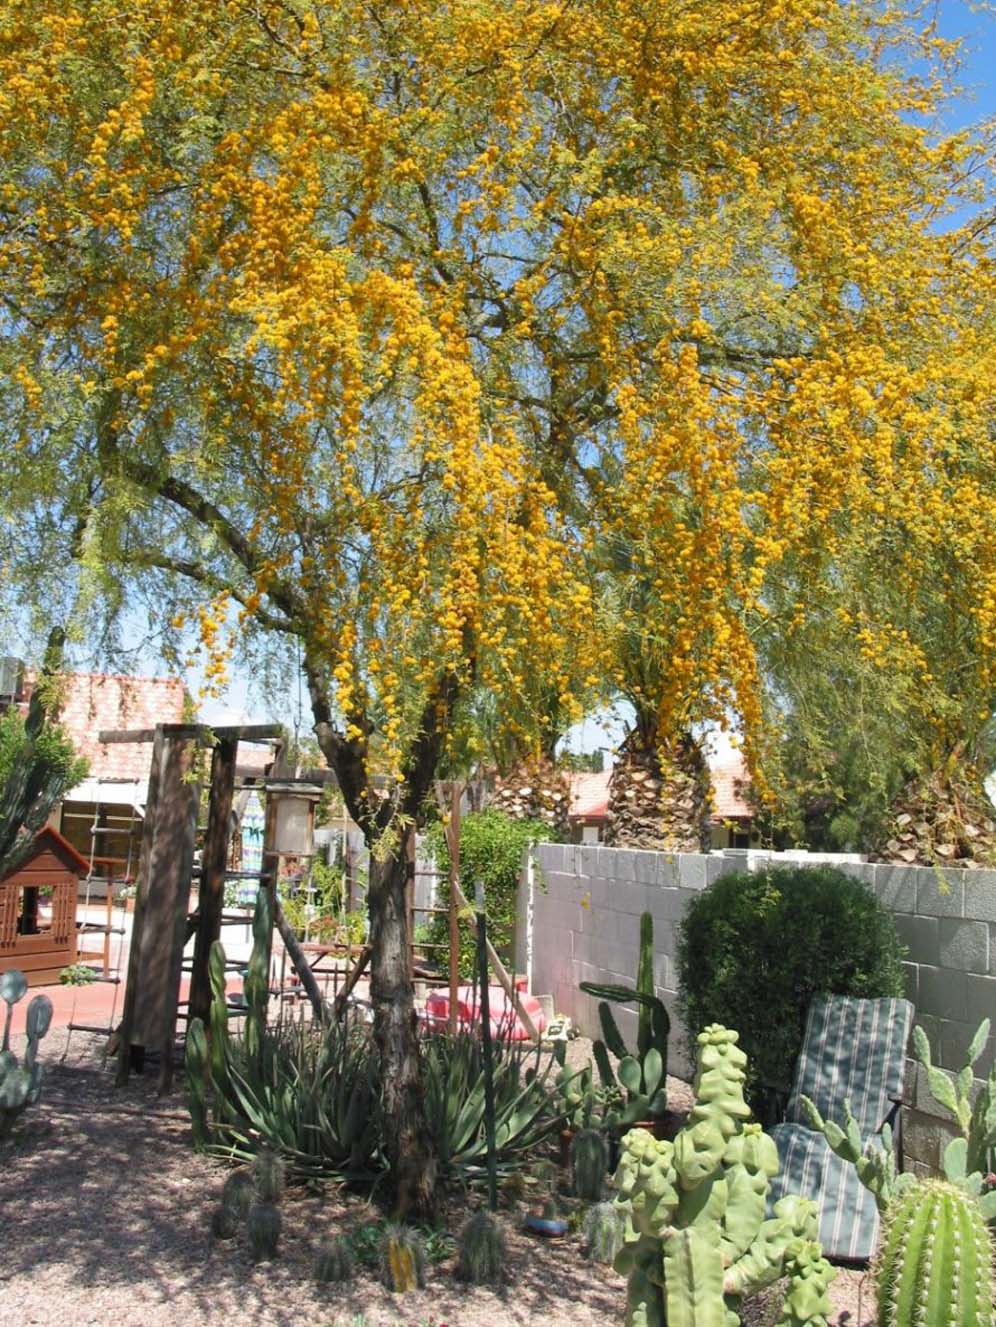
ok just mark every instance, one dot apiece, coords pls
pixel 526 1108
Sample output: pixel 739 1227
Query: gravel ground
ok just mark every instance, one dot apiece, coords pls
pixel 106 1220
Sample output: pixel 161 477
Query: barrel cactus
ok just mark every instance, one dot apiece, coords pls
pixel 334 1261
pixel 263 1229
pixel 237 1194
pixel 934 1261
pixel 402 1260
pixel 589 1159
pixel 695 1238
pixel 20 1085
pixel 268 1173
pixel 481 1254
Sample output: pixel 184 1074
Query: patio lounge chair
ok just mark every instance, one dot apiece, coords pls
pixel 853 1051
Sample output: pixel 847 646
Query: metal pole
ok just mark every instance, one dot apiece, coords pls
pixel 489 1078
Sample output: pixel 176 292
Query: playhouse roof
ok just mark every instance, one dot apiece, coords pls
pixel 50 840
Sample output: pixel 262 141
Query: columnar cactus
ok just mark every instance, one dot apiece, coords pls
pixel 402 1260
pixel 934 1263
pixel 643 1075
pixel 20 1085
pixel 481 1254
pixel 695 1239
pixel 589 1158
pixel 602 1233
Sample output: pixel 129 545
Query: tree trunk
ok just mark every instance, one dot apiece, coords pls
pixel 536 790
pixel 659 795
pixel 407 1140
pixel 942 818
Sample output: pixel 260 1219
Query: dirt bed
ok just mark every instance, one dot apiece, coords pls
pixel 106 1215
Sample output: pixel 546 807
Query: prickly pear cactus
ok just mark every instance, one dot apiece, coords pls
pixel 695 1240
pixel 20 1085
pixel 589 1158
pixel 935 1260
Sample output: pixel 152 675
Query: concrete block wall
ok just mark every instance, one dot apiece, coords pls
pixel 585 920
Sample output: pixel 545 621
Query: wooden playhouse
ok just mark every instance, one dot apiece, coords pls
pixel 38 910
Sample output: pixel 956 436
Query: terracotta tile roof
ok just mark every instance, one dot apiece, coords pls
pixel 590 792
pixel 729 780
pixel 95 701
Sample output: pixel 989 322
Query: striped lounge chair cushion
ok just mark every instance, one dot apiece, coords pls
pixel 853 1051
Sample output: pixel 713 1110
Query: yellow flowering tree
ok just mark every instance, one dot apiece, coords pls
pixel 372 325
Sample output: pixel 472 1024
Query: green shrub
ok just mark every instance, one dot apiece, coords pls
pixel 491 848
pixel 754 949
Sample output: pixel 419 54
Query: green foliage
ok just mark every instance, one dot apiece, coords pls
pixel 491 848
pixel 642 1076
pixel 754 949
pixel 335 1261
pixel 20 1085
pixel 603 1232
pixel 934 1263
pixel 402 1259
pixel 319 913
pixel 37 764
pixel 695 1238
pixel 481 1252
pixel 589 1159
pixel 77 974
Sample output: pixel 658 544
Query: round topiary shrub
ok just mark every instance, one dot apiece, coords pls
pixel 753 950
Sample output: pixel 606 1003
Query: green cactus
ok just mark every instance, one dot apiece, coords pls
pixel 643 1075
pixel 238 1193
pixel 966 1160
pixel 589 1159
pixel 481 1253
pixel 20 1085
pixel 334 1261
pixel 695 1238
pixel 257 980
pixel 934 1262
pixel 225 1223
pixel 263 1229
pixel 195 1064
pixel 806 1303
pixel 268 1173
pixel 602 1233
pixel 402 1260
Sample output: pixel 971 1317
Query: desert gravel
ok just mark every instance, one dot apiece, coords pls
pixel 106 1218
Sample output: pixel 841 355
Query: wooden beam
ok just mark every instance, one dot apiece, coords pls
pixel 299 962
pixel 339 1003
pixel 214 861
pixel 262 732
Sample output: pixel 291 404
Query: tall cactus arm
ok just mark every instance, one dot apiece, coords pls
pixel 610 1031
pixel 693 1282
pixel 645 984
